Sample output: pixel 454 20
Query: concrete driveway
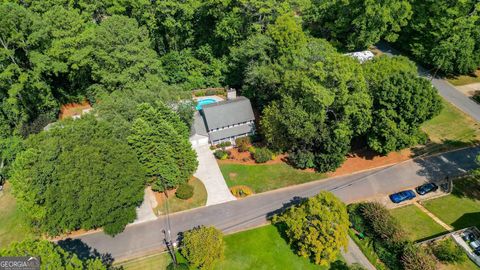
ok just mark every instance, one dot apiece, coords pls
pixel 209 173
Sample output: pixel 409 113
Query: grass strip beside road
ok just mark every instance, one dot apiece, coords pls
pixel 176 205
pixel 261 178
pixel 449 130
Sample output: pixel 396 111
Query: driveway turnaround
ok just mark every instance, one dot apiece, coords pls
pixel 445 89
pixel 255 210
pixel 209 173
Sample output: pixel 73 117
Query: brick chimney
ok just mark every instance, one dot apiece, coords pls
pixel 231 94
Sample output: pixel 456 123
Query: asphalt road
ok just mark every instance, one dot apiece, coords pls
pixel 253 211
pixel 445 89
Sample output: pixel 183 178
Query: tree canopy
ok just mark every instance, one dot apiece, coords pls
pixel 202 246
pixel 317 228
pixel 51 255
pixel 78 175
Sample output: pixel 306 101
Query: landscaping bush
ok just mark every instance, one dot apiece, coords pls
pixel 221 154
pixel 199 93
pixel 202 247
pixel 251 149
pixel 184 191
pixel 262 155
pixel 213 92
pixel 224 144
pixel 448 251
pixel 302 159
pixel 213 147
pixel 241 191
pixel 242 143
pixel 417 258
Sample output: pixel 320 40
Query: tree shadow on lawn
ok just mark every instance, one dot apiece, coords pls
pixel 445 145
pixel 85 252
pixel 449 165
pixel 467 220
pixel 468 188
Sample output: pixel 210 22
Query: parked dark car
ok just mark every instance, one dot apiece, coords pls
pixel 468 237
pixel 402 196
pixel 426 188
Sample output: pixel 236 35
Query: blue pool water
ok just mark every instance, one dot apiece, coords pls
pixel 204 102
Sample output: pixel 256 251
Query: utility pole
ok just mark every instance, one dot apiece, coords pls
pixel 168 234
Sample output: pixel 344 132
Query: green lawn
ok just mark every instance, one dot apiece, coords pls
pixel 416 223
pixel 465 79
pixel 175 204
pixel 261 248
pixel 13 226
pixel 153 262
pixel 265 177
pixel 461 209
pixel 467 264
pixel 450 129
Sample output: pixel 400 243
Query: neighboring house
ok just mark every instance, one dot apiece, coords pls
pixel 224 120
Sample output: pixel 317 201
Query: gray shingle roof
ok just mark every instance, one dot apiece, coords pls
pixel 228 112
pixel 233 131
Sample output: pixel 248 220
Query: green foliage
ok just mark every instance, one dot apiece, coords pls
pixel 221 154
pixel 51 255
pixel 402 101
pixel 84 160
pixel 180 266
pixel 184 191
pixel 243 143
pixel 444 35
pixel 262 155
pixel 224 144
pixel 160 140
pixel 417 258
pixel 9 148
pixel 382 223
pixel 357 24
pixel 302 159
pixel 448 251
pixel 305 225
pixel 202 247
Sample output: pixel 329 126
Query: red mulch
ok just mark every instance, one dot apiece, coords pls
pixel 355 162
pixel 73 109
pixel 367 159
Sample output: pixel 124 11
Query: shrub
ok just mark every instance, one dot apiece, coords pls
pixel 202 247
pixel 241 191
pixel 417 258
pixel 221 154
pixel 184 191
pixel 213 147
pixel 199 93
pixel 262 155
pixel 251 149
pixel 224 144
pixel 242 143
pixel 302 159
pixel 448 251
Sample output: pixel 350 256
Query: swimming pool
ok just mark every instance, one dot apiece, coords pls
pixel 204 102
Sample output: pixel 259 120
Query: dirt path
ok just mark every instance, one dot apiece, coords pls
pixel 435 218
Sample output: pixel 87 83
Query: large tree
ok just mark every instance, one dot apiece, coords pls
pixel 444 34
pixel 357 24
pixel 313 99
pixel 202 247
pixel 317 228
pixel 160 140
pixel 51 255
pixel 78 175
pixel 402 101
